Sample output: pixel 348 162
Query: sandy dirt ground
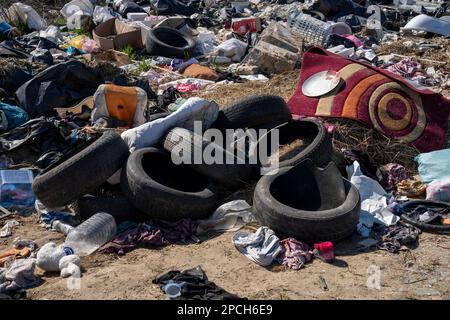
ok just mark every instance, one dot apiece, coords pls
pixel 420 273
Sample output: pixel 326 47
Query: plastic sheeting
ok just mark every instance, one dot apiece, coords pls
pixel 58 86
pixel 434 165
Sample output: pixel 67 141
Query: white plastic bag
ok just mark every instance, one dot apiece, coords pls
pixel 101 14
pixel 21 13
pixel 149 134
pixel 83 7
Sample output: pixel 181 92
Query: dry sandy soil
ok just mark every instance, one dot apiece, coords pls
pixel 420 273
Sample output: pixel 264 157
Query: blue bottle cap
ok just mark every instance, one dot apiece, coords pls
pixel 68 251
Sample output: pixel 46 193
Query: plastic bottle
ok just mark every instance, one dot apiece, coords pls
pixel 61 227
pixel 91 234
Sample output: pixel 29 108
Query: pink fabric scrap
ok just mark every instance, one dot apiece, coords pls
pixel 295 254
pixel 187 87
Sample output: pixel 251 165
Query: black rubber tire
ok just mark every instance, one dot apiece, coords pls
pixel 81 172
pixel 232 176
pixel 162 199
pixel 320 149
pixel 253 112
pixel 340 161
pixel 425 226
pixel 170 43
pixel 309 226
pixel 120 208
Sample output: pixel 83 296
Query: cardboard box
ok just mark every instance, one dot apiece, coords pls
pixel 244 25
pixel 115 34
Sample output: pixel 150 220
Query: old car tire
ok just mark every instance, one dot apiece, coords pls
pixel 166 191
pixel 170 43
pixel 80 172
pixel 252 112
pixel 319 149
pixel 305 225
pixel 424 226
pixel 120 208
pixel 232 176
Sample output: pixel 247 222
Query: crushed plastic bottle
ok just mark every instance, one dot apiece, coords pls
pixel 91 234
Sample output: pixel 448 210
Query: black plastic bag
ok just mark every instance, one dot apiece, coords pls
pixel 58 86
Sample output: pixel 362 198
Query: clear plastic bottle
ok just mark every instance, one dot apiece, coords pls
pixel 61 227
pixel 91 234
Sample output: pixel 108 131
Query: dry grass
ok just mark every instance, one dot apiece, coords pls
pixel 349 134
pixel 441 55
pixel 282 85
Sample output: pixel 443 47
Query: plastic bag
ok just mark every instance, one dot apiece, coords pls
pixel 83 7
pixel 439 190
pixel 15 116
pixel 21 13
pixel 101 14
pixel 434 165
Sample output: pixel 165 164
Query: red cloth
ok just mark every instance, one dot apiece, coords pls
pixel 375 97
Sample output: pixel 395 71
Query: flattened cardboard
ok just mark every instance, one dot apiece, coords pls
pixel 115 34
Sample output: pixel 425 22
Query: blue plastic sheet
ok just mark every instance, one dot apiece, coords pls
pixel 16 116
pixel 434 165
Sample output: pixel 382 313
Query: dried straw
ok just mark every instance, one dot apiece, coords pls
pixel 350 134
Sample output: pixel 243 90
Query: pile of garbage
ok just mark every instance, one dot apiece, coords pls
pixel 103 133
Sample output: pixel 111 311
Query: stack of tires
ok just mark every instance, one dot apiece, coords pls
pixel 305 198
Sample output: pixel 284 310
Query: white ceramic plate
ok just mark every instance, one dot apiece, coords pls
pixel 320 83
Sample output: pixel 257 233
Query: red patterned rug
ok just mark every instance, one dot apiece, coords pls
pixel 375 97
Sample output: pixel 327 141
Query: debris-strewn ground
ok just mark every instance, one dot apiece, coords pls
pixel 423 273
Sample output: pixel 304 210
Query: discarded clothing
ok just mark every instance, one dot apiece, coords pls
pixel 411 188
pixel 58 86
pixel 262 247
pixel 396 174
pixel 148 234
pixel 396 237
pixel 407 68
pixel 150 134
pixel 230 216
pixel 7 228
pixel 195 285
pixel 19 275
pixel 295 255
